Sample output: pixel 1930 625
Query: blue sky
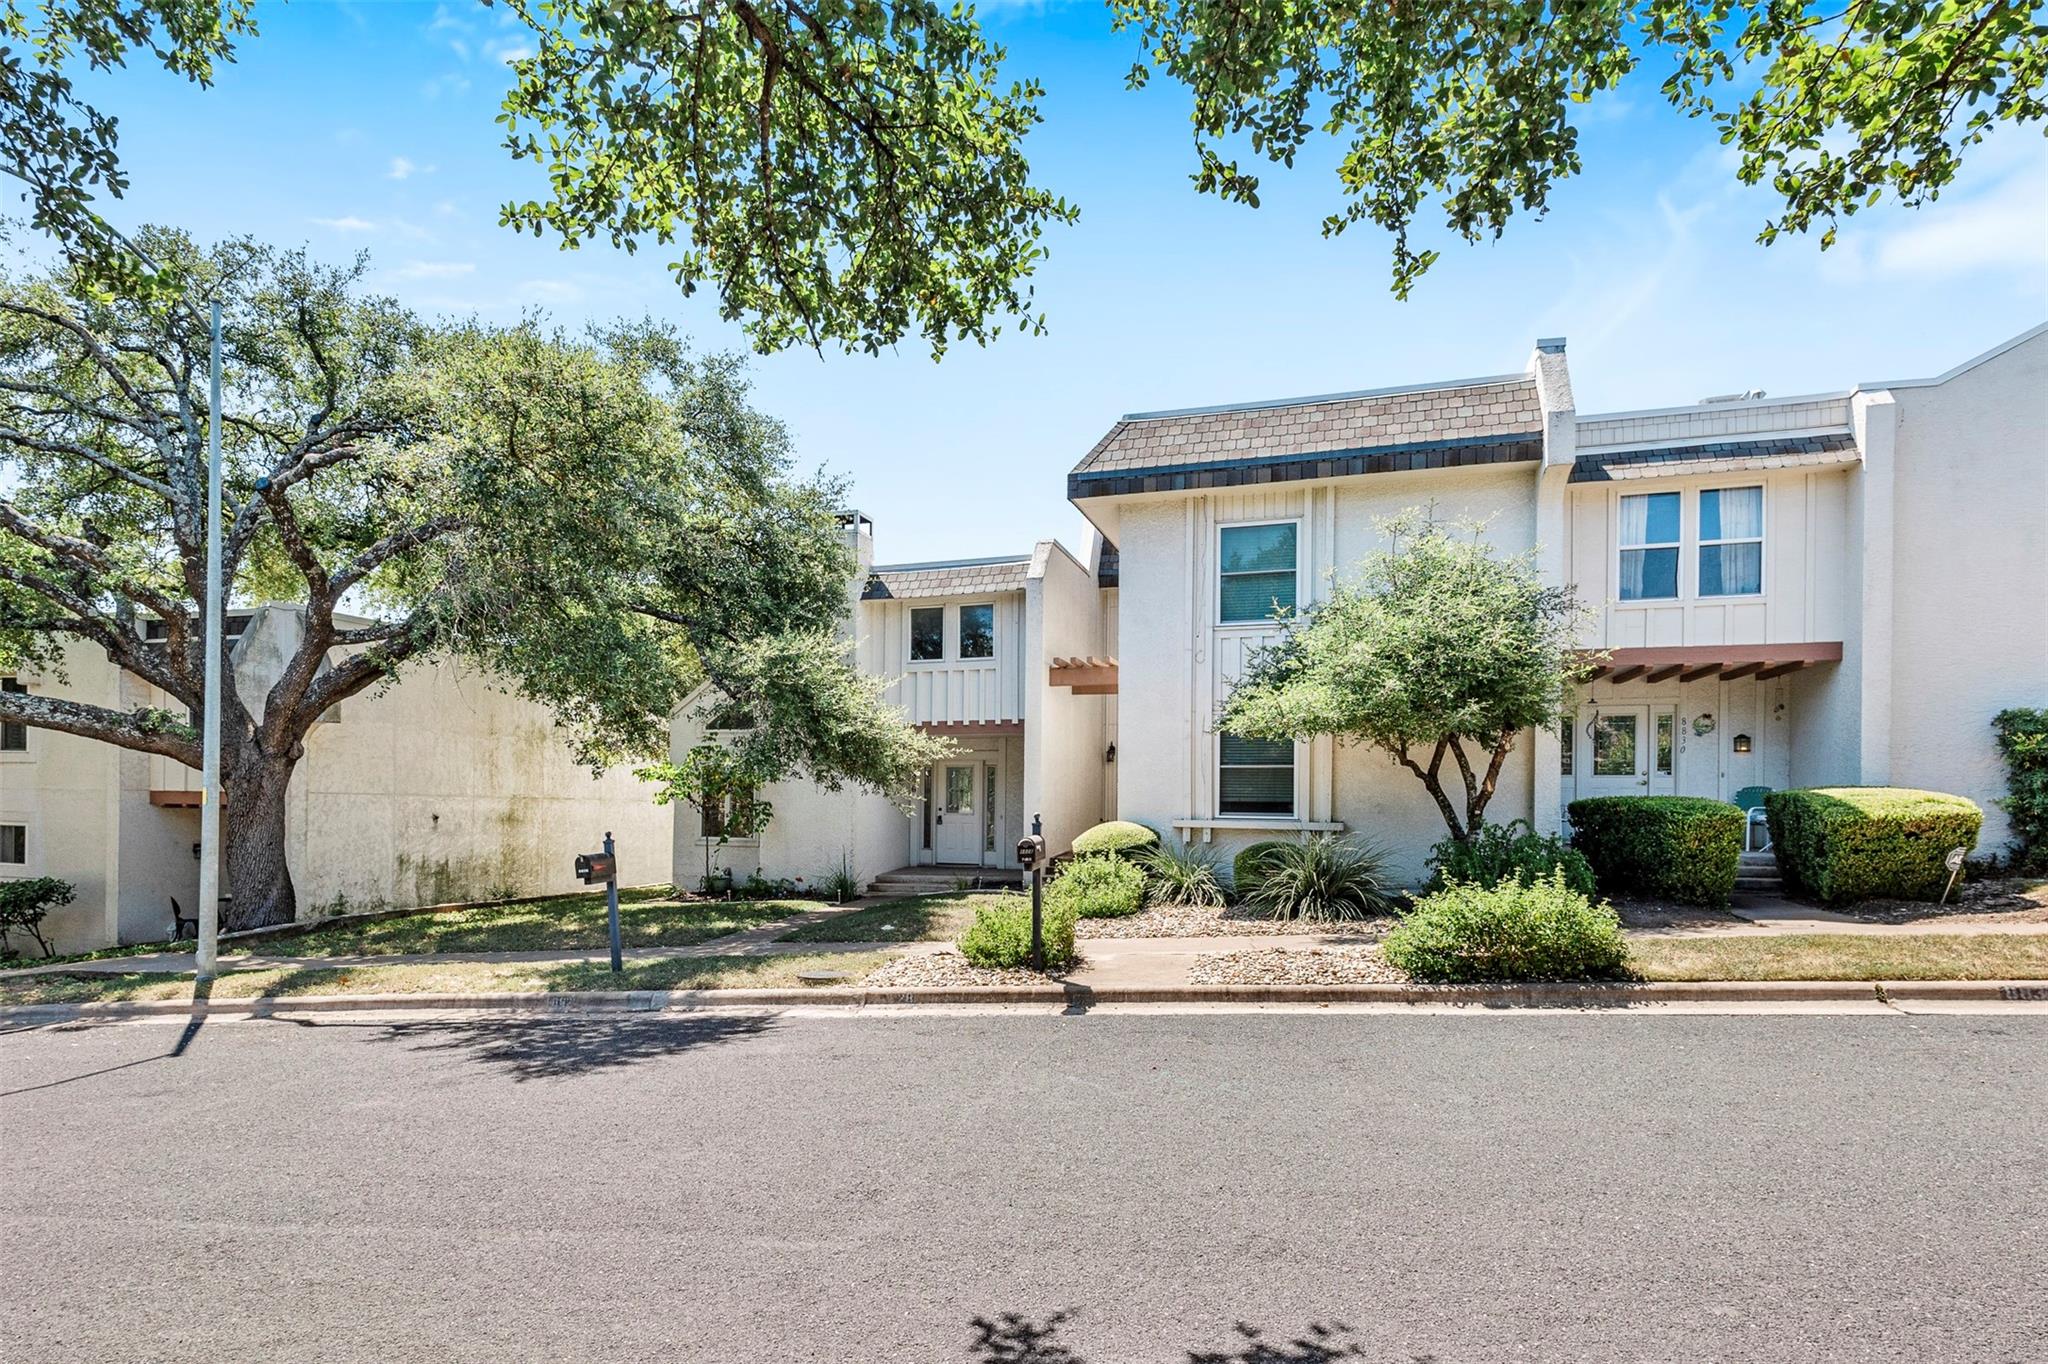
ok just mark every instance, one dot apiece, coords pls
pixel 352 126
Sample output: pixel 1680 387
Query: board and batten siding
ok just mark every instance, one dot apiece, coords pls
pixel 952 691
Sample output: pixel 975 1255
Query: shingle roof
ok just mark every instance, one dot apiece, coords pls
pixel 895 582
pixel 1109 572
pixel 1833 447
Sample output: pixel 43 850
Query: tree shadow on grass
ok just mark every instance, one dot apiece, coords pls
pixel 1013 1338
pixel 562 1048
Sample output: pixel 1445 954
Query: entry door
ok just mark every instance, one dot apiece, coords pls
pixel 956 832
pixel 1631 750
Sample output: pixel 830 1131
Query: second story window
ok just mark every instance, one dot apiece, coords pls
pixel 978 631
pixel 927 634
pixel 1256 571
pixel 1649 547
pixel 13 736
pixel 1731 542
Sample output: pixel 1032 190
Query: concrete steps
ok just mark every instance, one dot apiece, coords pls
pixel 908 881
pixel 1757 874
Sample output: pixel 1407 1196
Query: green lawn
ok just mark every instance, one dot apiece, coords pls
pixel 927 918
pixel 683 973
pixel 1844 956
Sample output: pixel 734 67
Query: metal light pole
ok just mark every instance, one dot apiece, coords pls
pixel 611 897
pixel 209 801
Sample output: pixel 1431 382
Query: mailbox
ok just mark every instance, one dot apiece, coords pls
pixel 595 868
pixel 1030 851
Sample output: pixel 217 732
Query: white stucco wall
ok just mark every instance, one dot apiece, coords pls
pixel 1064 734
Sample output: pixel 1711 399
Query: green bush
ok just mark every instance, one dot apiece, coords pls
pixel 1182 874
pixel 1683 848
pixel 1517 930
pixel 1323 878
pixel 1249 865
pixel 2023 740
pixel 1503 852
pixel 25 904
pixel 1847 843
pixel 1119 837
pixel 1099 887
pixel 1000 935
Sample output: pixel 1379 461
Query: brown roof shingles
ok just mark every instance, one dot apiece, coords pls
pixel 946 580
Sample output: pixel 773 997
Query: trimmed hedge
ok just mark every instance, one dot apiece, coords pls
pixel 1000 935
pixel 1517 930
pixel 1505 852
pixel 1845 843
pixel 1683 848
pixel 1246 866
pixel 1119 837
pixel 1099 887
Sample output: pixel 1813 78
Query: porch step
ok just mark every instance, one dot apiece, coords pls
pixel 1757 874
pixel 909 881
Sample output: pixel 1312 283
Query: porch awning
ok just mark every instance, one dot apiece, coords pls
pixel 971 729
pixel 1090 676
pixel 1690 662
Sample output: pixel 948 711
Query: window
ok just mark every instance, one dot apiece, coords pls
pixel 1649 547
pixel 927 634
pixel 1565 739
pixel 13 845
pixel 13 734
pixel 736 809
pixel 730 716
pixel 1255 777
pixel 978 631
pixel 1614 744
pixel 1667 728
pixel 988 811
pixel 1257 568
pixel 1731 542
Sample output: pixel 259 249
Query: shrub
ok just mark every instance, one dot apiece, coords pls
pixel 842 883
pixel 1322 878
pixel 1099 887
pixel 1861 842
pixel 1182 874
pixel 25 904
pixel 1503 852
pixel 1683 848
pixel 1247 867
pixel 1517 930
pixel 1119 837
pixel 1000 935
pixel 2023 740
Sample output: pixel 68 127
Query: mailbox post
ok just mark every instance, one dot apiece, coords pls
pixel 1031 856
pixel 594 867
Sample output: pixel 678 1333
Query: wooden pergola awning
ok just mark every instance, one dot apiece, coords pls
pixel 1090 676
pixel 1690 662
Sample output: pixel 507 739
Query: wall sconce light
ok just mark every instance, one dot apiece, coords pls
pixel 1109 754
pixel 1741 743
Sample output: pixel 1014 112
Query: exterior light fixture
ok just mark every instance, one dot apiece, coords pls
pixel 1109 754
pixel 1741 743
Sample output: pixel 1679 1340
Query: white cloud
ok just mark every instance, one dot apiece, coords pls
pixel 2006 228
pixel 507 49
pixel 345 224
pixel 552 290
pixel 434 269
pixel 404 168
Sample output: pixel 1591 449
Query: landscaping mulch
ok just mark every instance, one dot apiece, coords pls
pixel 1993 900
pixel 931 969
pixel 1664 916
pixel 1207 921
pixel 1312 966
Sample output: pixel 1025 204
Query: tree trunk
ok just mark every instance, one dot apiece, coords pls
pixel 257 876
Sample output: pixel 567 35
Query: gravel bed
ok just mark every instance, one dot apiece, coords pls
pixel 1279 966
pixel 1207 921
pixel 948 968
pixel 1993 900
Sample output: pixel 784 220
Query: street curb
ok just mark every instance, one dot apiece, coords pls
pixel 1540 995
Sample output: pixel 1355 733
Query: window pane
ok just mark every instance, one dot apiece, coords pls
pixel 14 844
pixel 1258 549
pixel 1256 776
pixel 977 632
pixel 959 790
pixel 1614 745
pixel 1649 574
pixel 1732 570
pixel 1254 596
pixel 1666 726
pixel 988 810
pixel 1566 736
pixel 1731 513
pixel 1649 519
pixel 927 634
pixel 1257 752
pixel 13 736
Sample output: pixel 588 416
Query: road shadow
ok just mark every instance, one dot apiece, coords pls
pixel 1015 1338
pixel 561 1048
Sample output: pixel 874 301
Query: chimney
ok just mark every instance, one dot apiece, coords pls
pixel 860 538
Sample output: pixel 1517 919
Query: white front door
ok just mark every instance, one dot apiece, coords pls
pixel 956 828
pixel 1629 750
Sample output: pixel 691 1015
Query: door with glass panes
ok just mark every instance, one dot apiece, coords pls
pixel 1626 750
pixel 957 826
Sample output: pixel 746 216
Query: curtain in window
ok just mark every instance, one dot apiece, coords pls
pixel 1649 519
pixel 1735 515
pixel 1255 777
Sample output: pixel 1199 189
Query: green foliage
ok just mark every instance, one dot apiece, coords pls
pixel 1517 930
pixel 1000 936
pixel 842 883
pixel 1322 878
pixel 1119 837
pixel 1181 874
pixel 2023 741
pixel 842 171
pixel 1250 864
pixel 1099 887
pixel 25 904
pixel 1436 643
pixel 1848 843
pixel 1683 848
pixel 1503 852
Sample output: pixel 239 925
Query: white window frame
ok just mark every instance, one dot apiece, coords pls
pixel 995 634
pixel 910 658
pixel 1678 578
pixel 1217 576
pixel 1293 810
pixel 1700 542
pixel 29 865
pixel 27 751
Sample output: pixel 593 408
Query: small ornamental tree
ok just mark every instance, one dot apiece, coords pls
pixel 1439 649
pixel 25 904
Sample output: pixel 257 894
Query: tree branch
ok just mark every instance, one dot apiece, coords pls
pixel 142 731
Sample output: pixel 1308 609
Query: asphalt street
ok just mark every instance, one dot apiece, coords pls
pixel 1257 1188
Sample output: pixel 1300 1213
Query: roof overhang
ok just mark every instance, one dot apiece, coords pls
pixel 1690 662
pixel 971 729
pixel 1716 457
pixel 1087 676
